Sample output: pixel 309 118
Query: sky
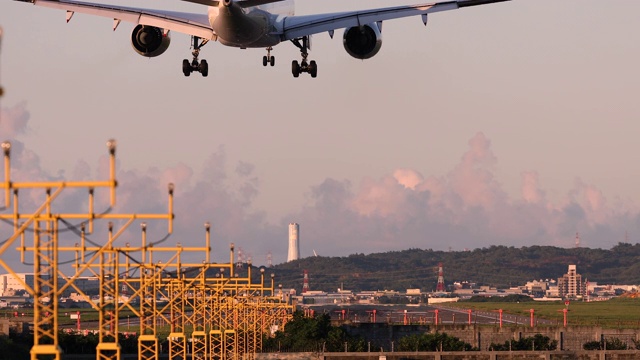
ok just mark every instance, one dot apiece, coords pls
pixel 507 124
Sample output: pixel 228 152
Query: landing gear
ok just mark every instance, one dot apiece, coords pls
pixel 310 67
pixel 297 68
pixel 268 59
pixel 200 66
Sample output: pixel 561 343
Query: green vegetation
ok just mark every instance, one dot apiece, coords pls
pixel 615 313
pixel 15 346
pixel 81 344
pixel 312 334
pixel 506 299
pixel 611 344
pixel 532 343
pixel 433 342
pixel 500 266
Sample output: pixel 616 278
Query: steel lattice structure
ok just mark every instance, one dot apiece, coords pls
pixel 213 315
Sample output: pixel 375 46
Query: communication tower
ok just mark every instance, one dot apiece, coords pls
pixel 240 259
pixel 577 240
pixel 305 282
pixel 294 242
pixel 269 259
pixel 440 286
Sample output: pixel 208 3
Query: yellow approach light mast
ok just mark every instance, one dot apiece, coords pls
pixel 212 311
pixel 50 282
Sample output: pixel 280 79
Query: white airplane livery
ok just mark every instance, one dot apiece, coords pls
pixel 254 24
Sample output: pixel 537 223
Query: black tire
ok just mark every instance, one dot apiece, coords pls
pixel 265 60
pixel 204 68
pixel 295 68
pixel 272 61
pixel 186 67
pixel 313 69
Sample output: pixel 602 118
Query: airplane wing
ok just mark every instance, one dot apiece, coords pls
pixel 298 26
pixel 187 23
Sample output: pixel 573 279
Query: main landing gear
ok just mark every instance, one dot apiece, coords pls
pixel 200 66
pixel 268 59
pixel 309 67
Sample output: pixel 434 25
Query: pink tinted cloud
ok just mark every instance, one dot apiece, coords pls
pixel 531 192
pixel 465 208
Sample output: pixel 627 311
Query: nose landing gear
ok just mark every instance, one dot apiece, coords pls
pixel 268 59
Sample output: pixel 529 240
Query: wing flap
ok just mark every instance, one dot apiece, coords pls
pixel 188 23
pixel 298 26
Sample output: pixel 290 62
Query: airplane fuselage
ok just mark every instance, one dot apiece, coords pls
pixel 252 27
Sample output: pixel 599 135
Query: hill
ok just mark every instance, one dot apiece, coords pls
pixel 500 266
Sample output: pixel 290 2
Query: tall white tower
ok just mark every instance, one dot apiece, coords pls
pixel 294 242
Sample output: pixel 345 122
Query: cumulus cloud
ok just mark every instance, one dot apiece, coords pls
pixel 465 208
pixel 13 121
pixel 221 194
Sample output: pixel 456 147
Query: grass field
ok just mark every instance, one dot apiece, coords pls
pixel 616 313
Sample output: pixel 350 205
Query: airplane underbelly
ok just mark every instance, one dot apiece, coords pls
pixel 242 30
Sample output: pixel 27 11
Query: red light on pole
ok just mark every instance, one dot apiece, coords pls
pixel 499 312
pixel 436 318
pixel 531 320
pixel 469 312
pixel 405 317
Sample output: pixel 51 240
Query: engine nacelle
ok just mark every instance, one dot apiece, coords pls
pixel 149 41
pixel 362 42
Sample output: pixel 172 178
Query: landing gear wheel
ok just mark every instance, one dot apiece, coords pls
pixel 313 68
pixel 200 66
pixel 265 60
pixel 272 60
pixel 203 68
pixel 295 68
pixel 186 67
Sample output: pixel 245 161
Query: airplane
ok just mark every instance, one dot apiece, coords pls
pixel 254 24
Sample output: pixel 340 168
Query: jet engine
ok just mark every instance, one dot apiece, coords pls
pixel 149 41
pixel 362 42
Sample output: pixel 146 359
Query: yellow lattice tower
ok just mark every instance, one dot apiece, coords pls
pixel 216 331
pixel 45 225
pixel 108 346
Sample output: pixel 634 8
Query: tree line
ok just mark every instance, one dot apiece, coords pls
pixel 498 266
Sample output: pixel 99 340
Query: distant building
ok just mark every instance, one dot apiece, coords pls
pixel 9 284
pixel 570 285
pixel 294 242
pixel 537 288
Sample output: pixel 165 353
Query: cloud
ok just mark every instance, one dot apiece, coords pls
pixel 465 208
pixel 221 194
pixel 531 192
pixel 13 121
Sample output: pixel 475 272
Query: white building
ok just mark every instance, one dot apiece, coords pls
pixel 570 285
pixel 9 284
pixel 294 242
